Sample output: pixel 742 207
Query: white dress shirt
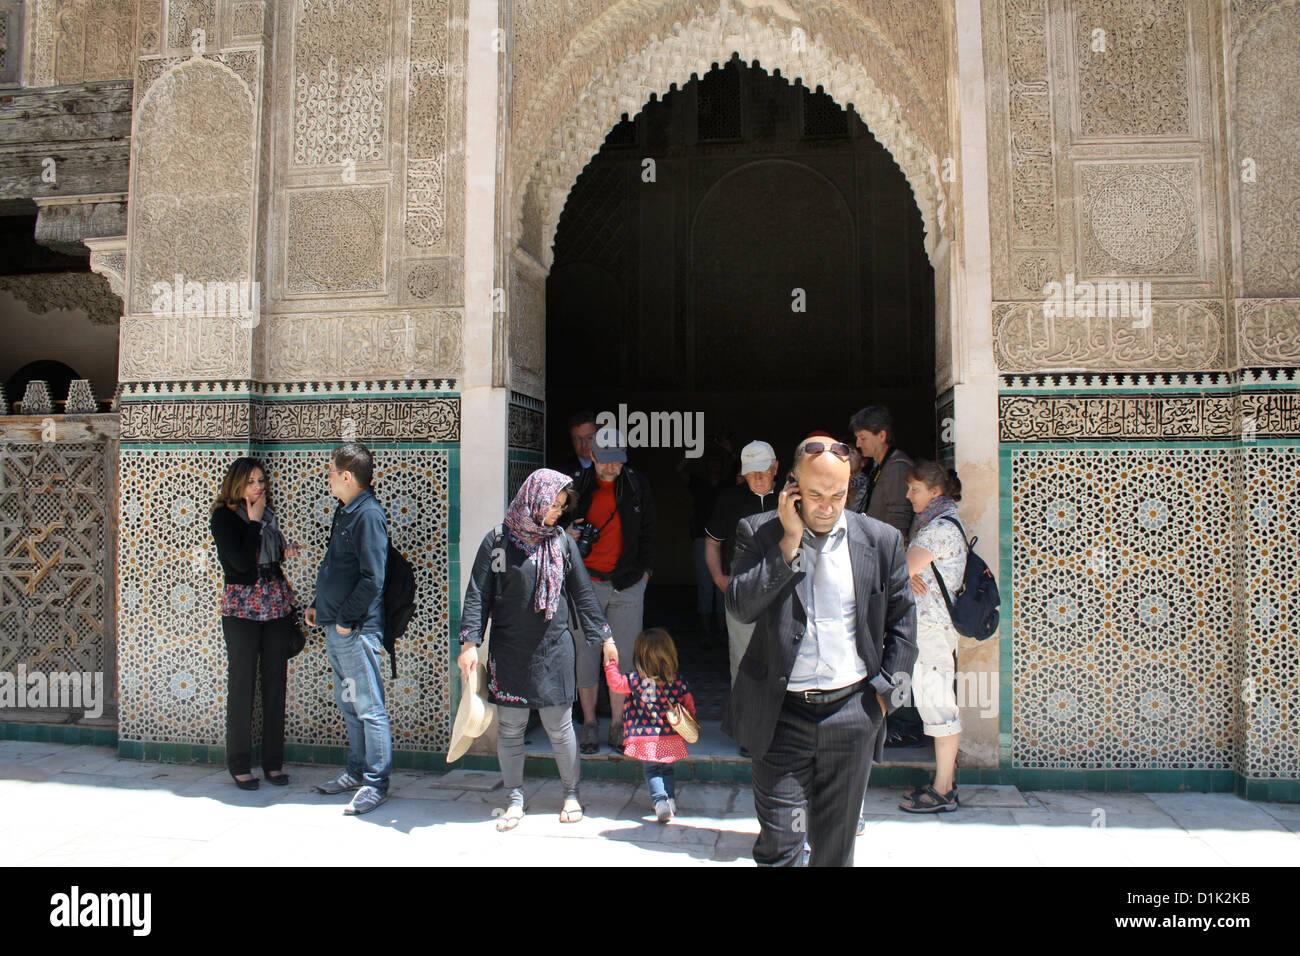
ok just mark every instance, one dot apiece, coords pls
pixel 828 657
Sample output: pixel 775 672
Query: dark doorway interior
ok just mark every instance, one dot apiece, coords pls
pixel 746 249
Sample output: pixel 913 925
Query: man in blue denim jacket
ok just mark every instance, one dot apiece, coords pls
pixel 349 604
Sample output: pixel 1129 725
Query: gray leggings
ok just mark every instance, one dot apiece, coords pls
pixel 558 721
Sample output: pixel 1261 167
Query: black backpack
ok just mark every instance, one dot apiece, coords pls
pixel 974 609
pixel 399 602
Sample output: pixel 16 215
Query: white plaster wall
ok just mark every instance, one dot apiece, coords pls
pixel 62 335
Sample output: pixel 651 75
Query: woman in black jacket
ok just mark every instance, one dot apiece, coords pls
pixel 523 578
pixel 255 618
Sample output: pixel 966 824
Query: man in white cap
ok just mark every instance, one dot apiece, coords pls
pixel 758 466
pixel 617 513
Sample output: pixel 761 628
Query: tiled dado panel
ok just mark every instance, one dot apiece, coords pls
pixel 1151 550
pixel 1122 587
pixel 1269 738
pixel 172 654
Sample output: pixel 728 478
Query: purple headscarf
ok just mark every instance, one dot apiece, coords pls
pixel 544 544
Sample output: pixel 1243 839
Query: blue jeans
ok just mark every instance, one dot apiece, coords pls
pixel 359 692
pixel 661 780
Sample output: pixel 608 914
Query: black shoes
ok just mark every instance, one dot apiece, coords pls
pixel 277 779
pixel 252 784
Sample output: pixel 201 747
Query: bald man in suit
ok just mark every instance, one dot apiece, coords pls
pixel 834 642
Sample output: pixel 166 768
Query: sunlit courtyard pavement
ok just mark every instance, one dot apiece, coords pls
pixel 81 805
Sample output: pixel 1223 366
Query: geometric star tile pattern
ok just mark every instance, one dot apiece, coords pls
pixel 1123 593
pixel 171 650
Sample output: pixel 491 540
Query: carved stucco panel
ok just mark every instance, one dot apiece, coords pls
pixel 149 27
pixel 75 291
pixel 247 20
pixel 1140 219
pixel 527 327
pixel 1268 332
pixel 192 192
pixel 1131 73
pixel 80 41
pixel 1181 336
pixel 1023 208
pixel 1266 113
pixel 335 240
pixel 371 345
pixel 341 54
pixel 243 63
pixel 185 17
pixel 431 73
pixel 161 348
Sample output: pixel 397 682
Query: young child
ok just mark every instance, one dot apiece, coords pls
pixel 651 689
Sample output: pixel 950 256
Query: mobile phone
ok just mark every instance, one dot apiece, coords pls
pixel 789 481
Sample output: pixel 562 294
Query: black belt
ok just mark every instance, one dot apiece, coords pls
pixel 826 696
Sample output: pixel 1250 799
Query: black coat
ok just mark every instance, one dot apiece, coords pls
pixel 532 662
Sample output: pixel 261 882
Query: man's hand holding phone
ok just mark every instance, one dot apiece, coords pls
pixel 787 509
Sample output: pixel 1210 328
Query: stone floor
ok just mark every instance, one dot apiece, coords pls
pixel 82 805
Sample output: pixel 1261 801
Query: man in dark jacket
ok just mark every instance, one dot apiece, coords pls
pixel 886 497
pixel 835 632
pixel 886 500
pixel 349 605
pixel 615 503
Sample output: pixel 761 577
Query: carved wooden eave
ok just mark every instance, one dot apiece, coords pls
pixel 63 222
pixel 63 141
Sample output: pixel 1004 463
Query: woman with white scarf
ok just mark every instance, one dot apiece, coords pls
pixel 256 602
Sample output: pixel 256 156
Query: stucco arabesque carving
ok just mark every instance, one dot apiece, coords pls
pixel 108 258
pixel 692 49
pixel 76 291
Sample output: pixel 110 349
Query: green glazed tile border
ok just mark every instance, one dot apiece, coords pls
pixel 59 734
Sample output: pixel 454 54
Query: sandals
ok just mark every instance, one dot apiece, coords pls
pixel 929 800
pixel 510 818
pixel 589 739
pixel 572 811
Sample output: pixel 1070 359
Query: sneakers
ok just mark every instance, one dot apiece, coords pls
pixel 366 799
pixel 663 811
pixel 672 806
pixel 340 784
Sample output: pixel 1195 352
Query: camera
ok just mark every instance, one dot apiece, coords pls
pixel 587 535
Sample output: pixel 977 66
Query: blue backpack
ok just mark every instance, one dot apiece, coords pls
pixel 974 609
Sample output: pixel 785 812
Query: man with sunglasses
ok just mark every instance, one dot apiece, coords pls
pixel 834 620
